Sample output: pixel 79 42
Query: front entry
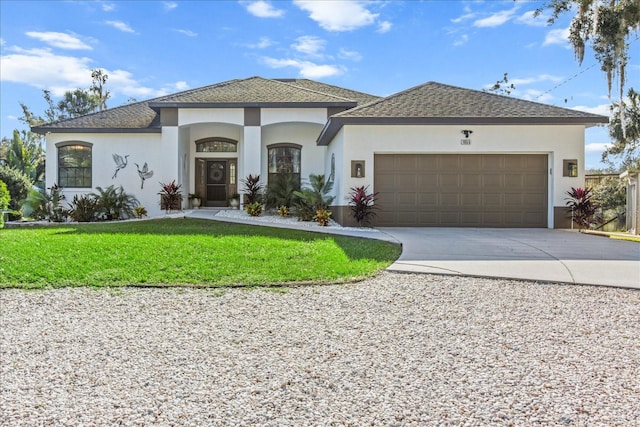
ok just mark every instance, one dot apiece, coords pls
pixel 215 181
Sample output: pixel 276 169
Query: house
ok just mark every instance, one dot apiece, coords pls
pixel 633 201
pixel 438 155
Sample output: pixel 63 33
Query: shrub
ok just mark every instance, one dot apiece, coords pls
pixel 362 204
pixel 253 209
pixel 283 211
pixel 5 198
pixel 581 207
pixel 83 208
pixel 313 197
pixel 114 203
pixel 252 189
pixel 45 205
pixel 170 196
pixel 280 191
pixel 18 185
pixel 322 217
pixel 140 212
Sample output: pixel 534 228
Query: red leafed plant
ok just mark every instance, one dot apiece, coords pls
pixel 170 196
pixel 362 204
pixel 581 206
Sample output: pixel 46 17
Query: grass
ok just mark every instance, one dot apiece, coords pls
pixel 183 252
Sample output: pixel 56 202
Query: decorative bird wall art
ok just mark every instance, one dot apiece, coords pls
pixel 121 163
pixel 144 173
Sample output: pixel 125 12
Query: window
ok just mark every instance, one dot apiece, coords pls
pixel 216 145
pixel 284 159
pixel 74 165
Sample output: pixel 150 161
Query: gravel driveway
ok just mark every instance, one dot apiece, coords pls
pixel 398 349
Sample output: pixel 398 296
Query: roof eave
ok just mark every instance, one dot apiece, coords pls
pixel 43 130
pixel 344 104
pixel 333 125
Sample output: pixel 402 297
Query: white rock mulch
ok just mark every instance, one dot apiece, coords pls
pixel 398 349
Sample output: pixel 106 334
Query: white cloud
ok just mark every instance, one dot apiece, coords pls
pixel 43 69
pixel 338 15
pixel 263 43
pixel 309 45
pixel 169 5
pixel 108 7
pixel 496 19
pixel 60 40
pixel 187 33
pixel 596 147
pixel 349 54
pixel 536 79
pixel 602 109
pixel 467 15
pixel 534 95
pixel 263 9
pixel 560 37
pixel 119 25
pixel 384 27
pixel 306 69
pixel 529 18
pixel 462 40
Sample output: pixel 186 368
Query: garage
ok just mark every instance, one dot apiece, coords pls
pixel 461 190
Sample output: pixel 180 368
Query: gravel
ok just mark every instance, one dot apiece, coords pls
pixel 398 349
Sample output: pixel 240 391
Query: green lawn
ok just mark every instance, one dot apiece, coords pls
pixel 183 252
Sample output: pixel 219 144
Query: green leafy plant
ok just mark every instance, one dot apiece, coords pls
pixel 254 209
pixel 140 212
pixel 83 208
pixel 252 189
pixel 581 207
pixel 362 204
pixel 45 205
pixel 283 211
pixel 313 197
pixel 18 185
pixel 5 198
pixel 322 217
pixel 114 203
pixel 280 190
pixel 170 196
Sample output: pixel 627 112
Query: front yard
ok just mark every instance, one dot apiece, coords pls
pixel 183 252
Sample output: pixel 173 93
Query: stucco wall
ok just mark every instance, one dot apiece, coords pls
pixel 558 142
pixel 154 149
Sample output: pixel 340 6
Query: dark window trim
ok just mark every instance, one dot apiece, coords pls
pixel 64 144
pixel 216 138
pixel 284 144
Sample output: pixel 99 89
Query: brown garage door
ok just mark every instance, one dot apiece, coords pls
pixel 466 190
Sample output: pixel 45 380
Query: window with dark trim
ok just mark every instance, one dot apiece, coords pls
pixel 216 145
pixel 74 165
pixel 284 159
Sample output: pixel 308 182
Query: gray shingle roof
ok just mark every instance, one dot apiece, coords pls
pixel 253 91
pixel 439 100
pixel 440 104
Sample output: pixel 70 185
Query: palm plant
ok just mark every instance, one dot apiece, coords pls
pixel 313 197
pixel 114 203
pixel 280 191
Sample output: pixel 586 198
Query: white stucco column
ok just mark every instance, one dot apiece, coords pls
pixel 251 153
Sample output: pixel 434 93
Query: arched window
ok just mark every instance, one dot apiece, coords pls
pixel 74 165
pixel 216 145
pixel 284 159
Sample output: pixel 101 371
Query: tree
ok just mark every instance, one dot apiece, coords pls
pixel 606 26
pixel 25 154
pixel 502 87
pixel 97 88
pixel 76 103
pixel 624 128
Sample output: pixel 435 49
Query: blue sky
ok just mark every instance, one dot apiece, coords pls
pixel 152 48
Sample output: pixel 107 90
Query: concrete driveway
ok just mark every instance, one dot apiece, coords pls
pixel 530 254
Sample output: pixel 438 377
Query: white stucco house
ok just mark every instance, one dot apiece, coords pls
pixel 438 155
